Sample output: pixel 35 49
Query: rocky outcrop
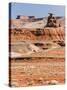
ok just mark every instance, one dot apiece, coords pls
pixel 46 34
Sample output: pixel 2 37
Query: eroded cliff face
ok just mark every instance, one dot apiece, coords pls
pixel 46 34
pixel 54 34
pixel 36 30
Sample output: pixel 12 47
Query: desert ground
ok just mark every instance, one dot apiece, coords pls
pixel 37 72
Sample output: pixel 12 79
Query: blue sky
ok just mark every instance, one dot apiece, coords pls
pixel 38 10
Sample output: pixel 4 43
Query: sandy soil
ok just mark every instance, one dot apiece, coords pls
pixel 37 71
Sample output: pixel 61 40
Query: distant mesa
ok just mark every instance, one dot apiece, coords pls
pixel 25 18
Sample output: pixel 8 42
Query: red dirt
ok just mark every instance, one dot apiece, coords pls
pixel 36 72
